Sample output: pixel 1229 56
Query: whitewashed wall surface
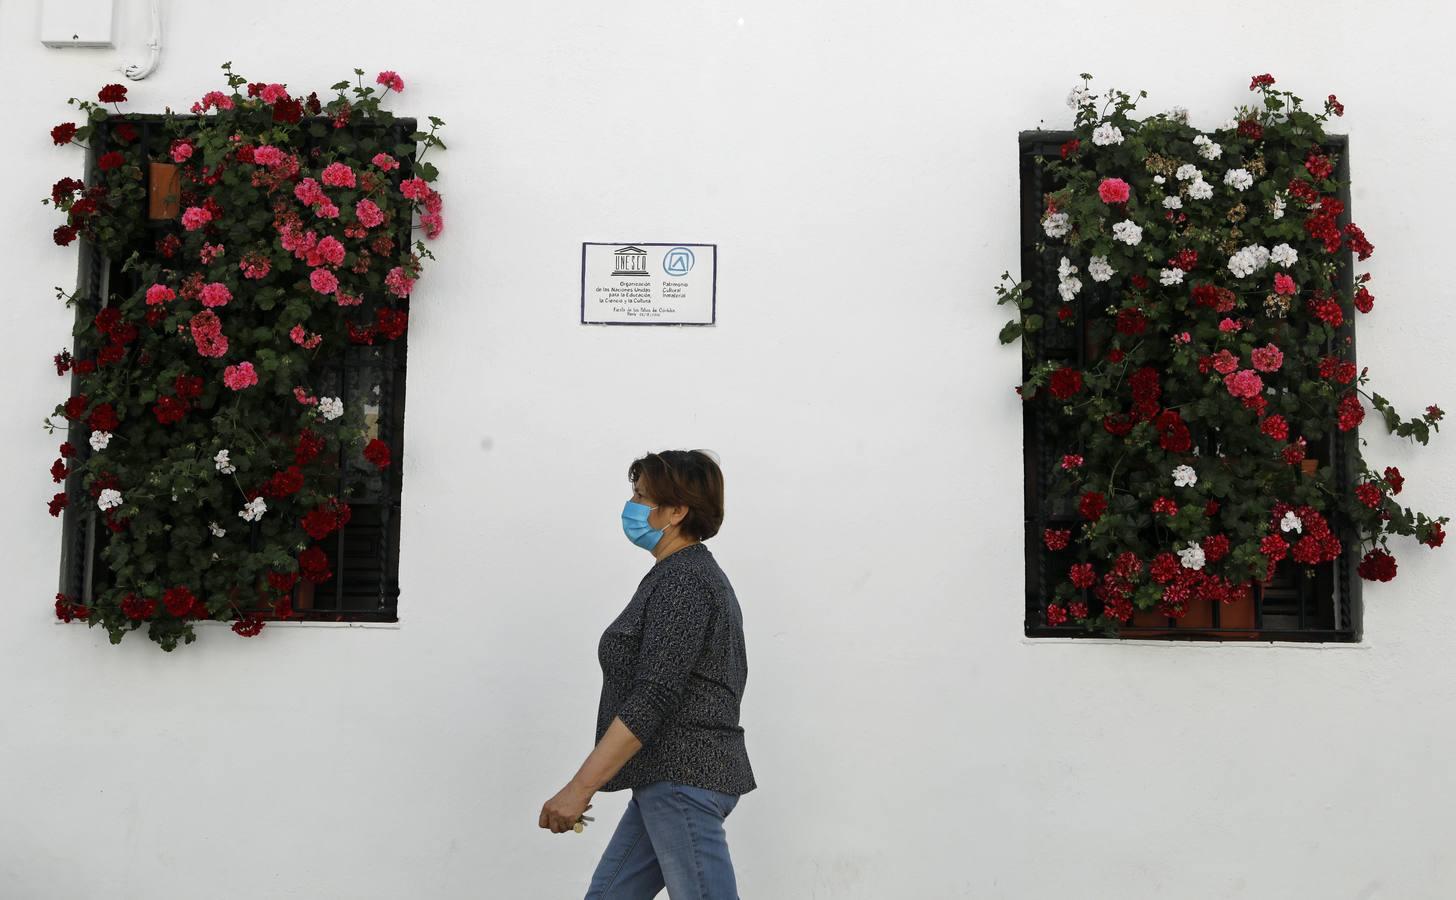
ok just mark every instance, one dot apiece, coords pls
pixel 855 163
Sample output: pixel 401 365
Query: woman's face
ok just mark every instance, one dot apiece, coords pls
pixel 657 518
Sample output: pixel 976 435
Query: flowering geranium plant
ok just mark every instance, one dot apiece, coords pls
pixel 1216 307
pixel 197 426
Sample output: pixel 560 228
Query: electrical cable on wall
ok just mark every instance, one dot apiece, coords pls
pixel 154 42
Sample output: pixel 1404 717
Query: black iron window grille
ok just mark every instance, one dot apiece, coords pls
pixel 1293 605
pixel 363 554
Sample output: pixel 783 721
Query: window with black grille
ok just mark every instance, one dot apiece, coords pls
pixel 364 554
pixel 1295 605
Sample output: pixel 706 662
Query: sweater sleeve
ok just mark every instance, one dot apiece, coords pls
pixel 674 634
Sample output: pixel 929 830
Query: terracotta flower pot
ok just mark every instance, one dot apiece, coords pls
pixel 164 190
pixel 1234 620
pixel 1309 466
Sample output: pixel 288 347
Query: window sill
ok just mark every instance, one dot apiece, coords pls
pixel 272 623
pixel 1204 645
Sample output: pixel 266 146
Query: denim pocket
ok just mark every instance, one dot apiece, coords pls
pixel 704 797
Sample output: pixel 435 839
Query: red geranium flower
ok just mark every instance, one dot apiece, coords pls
pixel 248 626
pixel 314 565
pixel 1378 565
pixel 112 93
pixel 1065 383
pixel 377 452
pixel 1082 575
pixel 1392 478
pixel 1436 537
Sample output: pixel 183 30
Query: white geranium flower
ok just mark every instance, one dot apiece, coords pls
pixel 1291 522
pixel 1172 201
pixel 1185 476
pixel 1067 284
pixel 1248 260
pixel 1188 172
pixel 1078 96
pixel 110 498
pixel 1284 255
pixel 1170 276
pixel 99 439
pixel 1279 205
pixel 1106 133
pixel 1158 179
pixel 1191 556
pixel 253 510
pixel 1238 179
pixel 1127 232
pixel 1229 125
pixel 1099 269
pixel 1200 189
pixel 1056 224
pixel 1206 147
pixel 331 407
pixel 222 463
pixel 216 529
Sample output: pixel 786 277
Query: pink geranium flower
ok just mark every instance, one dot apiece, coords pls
pixel 240 376
pixel 331 251
pixel 1267 358
pixel 385 162
pixel 1113 190
pixel 390 80
pixel 368 213
pixel 267 155
pixel 216 294
pixel 1225 362
pixel 303 339
pixel 1283 284
pixel 159 293
pixel 195 217
pixel 338 175
pixel 323 281
pixel 1244 383
pixel 308 192
pixel 398 283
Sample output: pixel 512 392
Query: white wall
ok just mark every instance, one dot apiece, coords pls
pixel 856 164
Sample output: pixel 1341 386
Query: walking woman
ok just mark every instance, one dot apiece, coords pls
pixel 673 672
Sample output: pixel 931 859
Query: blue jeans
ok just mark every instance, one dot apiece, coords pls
pixel 671 835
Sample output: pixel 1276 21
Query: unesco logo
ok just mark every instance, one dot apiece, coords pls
pixel 677 261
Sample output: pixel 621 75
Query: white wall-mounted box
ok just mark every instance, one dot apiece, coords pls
pixel 76 23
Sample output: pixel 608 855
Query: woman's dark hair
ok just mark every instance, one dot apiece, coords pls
pixel 688 478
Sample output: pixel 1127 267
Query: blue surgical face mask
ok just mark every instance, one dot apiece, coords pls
pixel 634 523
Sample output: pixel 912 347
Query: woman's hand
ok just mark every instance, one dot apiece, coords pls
pixel 562 811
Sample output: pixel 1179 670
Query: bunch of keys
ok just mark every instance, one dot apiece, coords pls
pixel 581 821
